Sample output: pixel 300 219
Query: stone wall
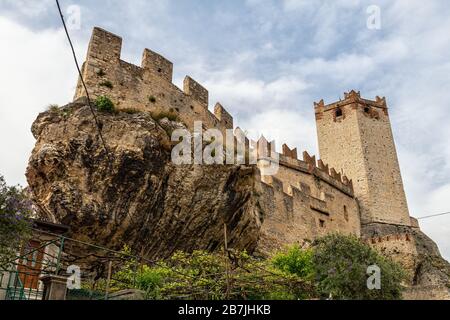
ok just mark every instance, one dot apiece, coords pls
pixel 302 202
pixel 145 88
pixel 355 135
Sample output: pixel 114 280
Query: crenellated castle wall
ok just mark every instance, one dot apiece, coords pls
pixel 306 198
pixel 147 87
pixel 304 201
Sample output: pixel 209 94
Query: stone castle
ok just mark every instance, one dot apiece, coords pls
pixel 355 188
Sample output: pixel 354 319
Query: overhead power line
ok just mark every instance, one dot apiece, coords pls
pixel 433 215
pixel 97 124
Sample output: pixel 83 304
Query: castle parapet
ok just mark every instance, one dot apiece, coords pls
pixel 157 65
pixel 147 87
pixel 350 98
pixel 224 117
pixel 196 91
pixel 288 152
pixel 104 46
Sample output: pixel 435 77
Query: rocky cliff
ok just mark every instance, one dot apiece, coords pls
pixel 428 273
pixel 135 195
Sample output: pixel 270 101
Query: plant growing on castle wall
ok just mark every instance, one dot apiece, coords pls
pixel 101 73
pixel 15 224
pixel 108 84
pixel 157 116
pixel 104 104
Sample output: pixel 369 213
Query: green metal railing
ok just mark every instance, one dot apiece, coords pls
pixel 16 291
pixel 20 279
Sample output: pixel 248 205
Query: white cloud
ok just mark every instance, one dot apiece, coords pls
pixel 278 125
pixel 29 8
pixel 439 227
pixel 36 70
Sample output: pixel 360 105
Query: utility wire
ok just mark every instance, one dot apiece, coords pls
pixel 433 215
pixel 99 129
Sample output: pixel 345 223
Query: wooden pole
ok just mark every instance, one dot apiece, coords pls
pixel 227 294
pixel 108 279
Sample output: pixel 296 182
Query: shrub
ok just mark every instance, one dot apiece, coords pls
pixel 53 108
pixel 203 275
pixel 295 261
pixel 104 104
pixel 341 264
pixel 101 73
pixel 161 115
pixel 107 84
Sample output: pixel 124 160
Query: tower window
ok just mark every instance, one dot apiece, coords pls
pixel 339 112
pixel 366 109
pixel 322 223
pixel 345 213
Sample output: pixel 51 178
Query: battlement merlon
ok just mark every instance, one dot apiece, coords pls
pixel 224 117
pixel 157 64
pixel 352 97
pixel 105 46
pixel 196 91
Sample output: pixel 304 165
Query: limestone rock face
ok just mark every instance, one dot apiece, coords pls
pixel 429 273
pixel 136 196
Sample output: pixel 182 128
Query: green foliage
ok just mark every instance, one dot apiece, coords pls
pixel 54 108
pixel 104 104
pixel 101 73
pixel 161 115
pixel 336 266
pixel 152 99
pixel 295 261
pixel 108 84
pixel 15 224
pixel 203 275
pixel 341 264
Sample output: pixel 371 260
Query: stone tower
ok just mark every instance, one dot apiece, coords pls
pixel 355 136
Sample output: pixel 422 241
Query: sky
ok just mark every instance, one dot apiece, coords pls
pixel 266 61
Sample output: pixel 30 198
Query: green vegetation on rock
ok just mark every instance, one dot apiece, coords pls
pixel 104 104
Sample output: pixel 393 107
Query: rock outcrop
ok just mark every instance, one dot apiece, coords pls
pixel 133 194
pixel 428 272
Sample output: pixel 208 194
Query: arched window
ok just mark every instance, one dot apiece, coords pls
pixel 339 112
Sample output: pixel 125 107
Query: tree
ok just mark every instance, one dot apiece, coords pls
pixel 295 261
pixel 211 276
pixel 341 264
pixel 15 223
